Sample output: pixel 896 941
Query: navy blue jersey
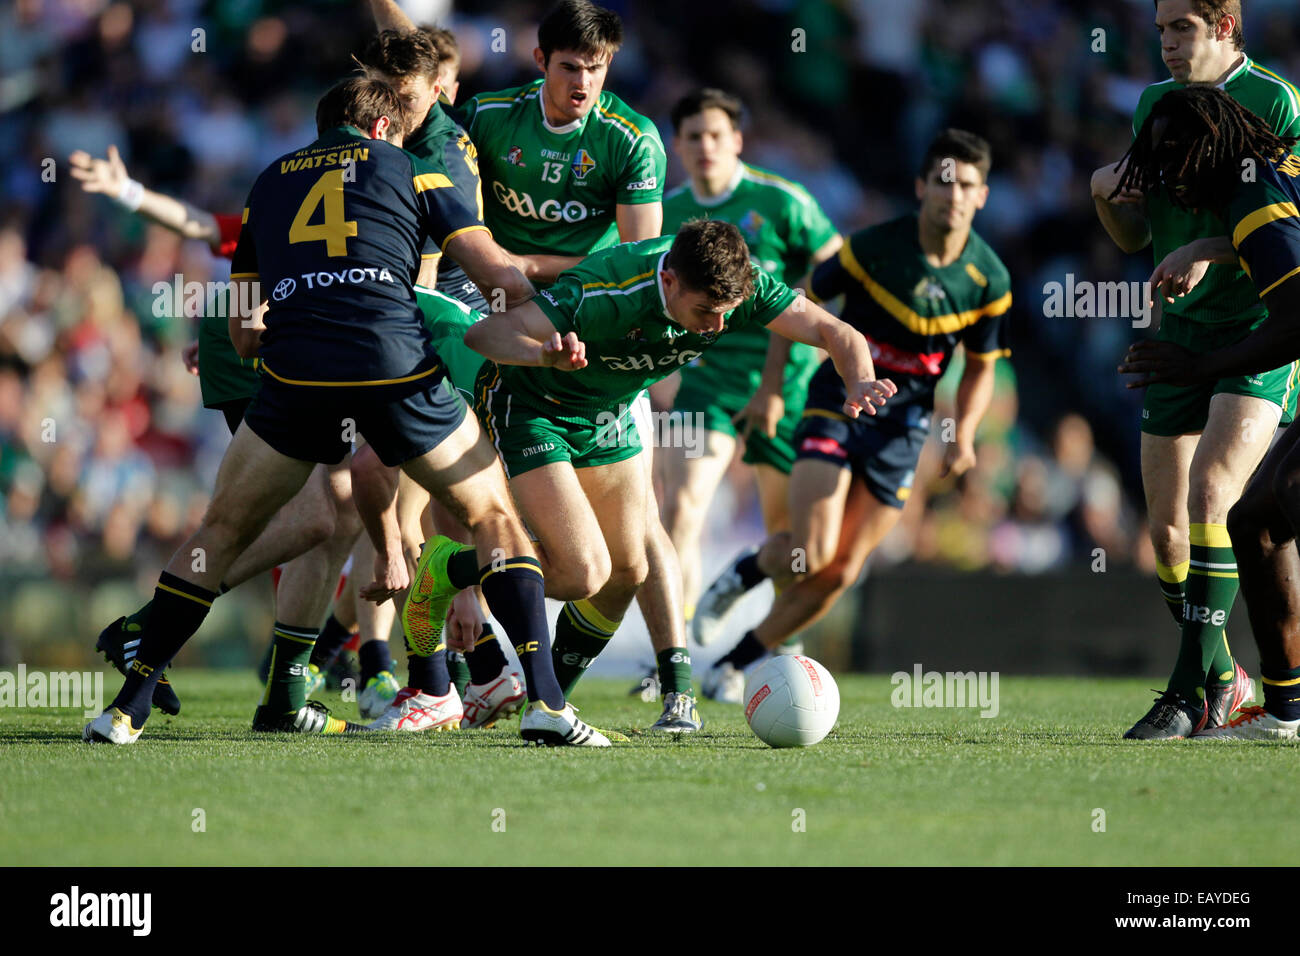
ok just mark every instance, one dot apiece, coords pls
pixel 913 314
pixel 441 138
pixel 333 232
pixel 1264 220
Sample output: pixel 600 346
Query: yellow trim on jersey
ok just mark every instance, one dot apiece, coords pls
pixel 458 232
pixel 243 275
pixel 244 220
pixel 379 381
pixel 1209 535
pixel 1262 217
pixel 995 354
pixel 617 285
pixel 171 590
pixel 823 413
pixel 902 494
pixel 1279 282
pixel 920 324
pixel 1285 82
pixel 1245 267
pixel 635 130
pixel 426 181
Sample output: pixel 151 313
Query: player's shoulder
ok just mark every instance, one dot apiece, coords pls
pixel 626 123
pixel 891 237
pixel 1148 99
pixel 985 268
pixel 1262 90
pixel 1271 195
pixel 765 179
pixel 500 103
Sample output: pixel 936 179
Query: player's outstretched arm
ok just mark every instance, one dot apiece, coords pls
pixel 806 322
pixel 389 16
pixel 110 178
pixel 545 269
pixel 974 395
pixel 1274 343
pixel 525 336
pixel 1123 214
pixel 490 267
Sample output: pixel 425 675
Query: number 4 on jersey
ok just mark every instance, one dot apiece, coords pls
pixel 334 230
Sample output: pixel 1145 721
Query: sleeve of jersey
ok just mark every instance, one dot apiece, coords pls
pixel 451 202
pixel 987 337
pixel 830 278
pixel 243 262
pixel 771 297
pixel 1267 239
pixel 815 227
pixel 643 174
pixel 560 303
pixel 228 227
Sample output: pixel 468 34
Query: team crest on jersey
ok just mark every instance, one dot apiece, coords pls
pixel 582 164
pixel 514 156
pixel 634 335
pixel 928 288
pixel 750 224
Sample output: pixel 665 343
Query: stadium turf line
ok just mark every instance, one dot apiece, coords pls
pixel 889 787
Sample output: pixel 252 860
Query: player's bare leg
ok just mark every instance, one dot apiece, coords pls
pixel 689 486
pixel 1206 684
pixel 253 482
pixel 1263 529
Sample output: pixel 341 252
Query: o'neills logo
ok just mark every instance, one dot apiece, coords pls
pixel 760 695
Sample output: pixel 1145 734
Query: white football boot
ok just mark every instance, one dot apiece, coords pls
pixel 111 727
pixel 1254 723
pixel 725 683
pixel 716 603
pixel 485 704
pixel 558 728
pixel 380 692
pixel 413 710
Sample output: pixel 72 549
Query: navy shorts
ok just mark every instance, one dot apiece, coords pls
pixel 303 423
pixel 882 452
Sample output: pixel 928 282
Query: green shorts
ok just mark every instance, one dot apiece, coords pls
pixel 1183 410
pixel 223 376
pixel 527 438
pixel 717 397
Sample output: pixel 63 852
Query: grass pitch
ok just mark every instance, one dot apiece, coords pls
pixel 888 787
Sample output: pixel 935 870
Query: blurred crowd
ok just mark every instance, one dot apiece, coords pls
pixel 105 451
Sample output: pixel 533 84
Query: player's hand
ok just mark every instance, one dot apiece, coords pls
pixel 867 395
pixel 566 353
pixel 1162 362
pixel 464 622
pixel 958 458
pixel 106 176
pixel 190 356
pixel 1106 179
pixel 763 411
pixel 1178 273
pixel 391 578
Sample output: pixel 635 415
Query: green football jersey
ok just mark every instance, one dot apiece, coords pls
pixel 1225 294
pixel 614 301
pixel 555 190
pixel 447 320
pixel 783 226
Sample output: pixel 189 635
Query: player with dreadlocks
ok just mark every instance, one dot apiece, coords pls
pixel 1211 153
pixel 1200 443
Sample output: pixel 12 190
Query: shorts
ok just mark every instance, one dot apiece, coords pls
pixel 1171 410
pixel 234 411
pixel 302 423
pixel 701 395
pixel 528 438
pixel 883 453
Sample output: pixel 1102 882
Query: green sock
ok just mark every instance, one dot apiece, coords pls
pixel 581 633
pixel 1172 581
pixel 1222 667
pixel 1210 590
pixel 286 687
pixel 458 670
pixel 674 670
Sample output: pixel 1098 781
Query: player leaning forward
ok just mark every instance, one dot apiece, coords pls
pixel 338 244
pixel 567 364
pixel 1200 443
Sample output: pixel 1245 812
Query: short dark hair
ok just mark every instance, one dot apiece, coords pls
pixel 708 98
pixel 444 43
pixel 359 101
pixel 1212 11
pixel 398 54
pixel 582 26
pixel 961 145
pixel 711 256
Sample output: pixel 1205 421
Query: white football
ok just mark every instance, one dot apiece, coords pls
pixel 791 701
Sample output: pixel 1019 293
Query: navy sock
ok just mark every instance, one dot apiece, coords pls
pixel 428 674
pixel 514 590
pixel 746 651
pixel 751 575
pixel 487 660
pixel 463 569
pixel 374 658
pixel 329 643
pixel 179 607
